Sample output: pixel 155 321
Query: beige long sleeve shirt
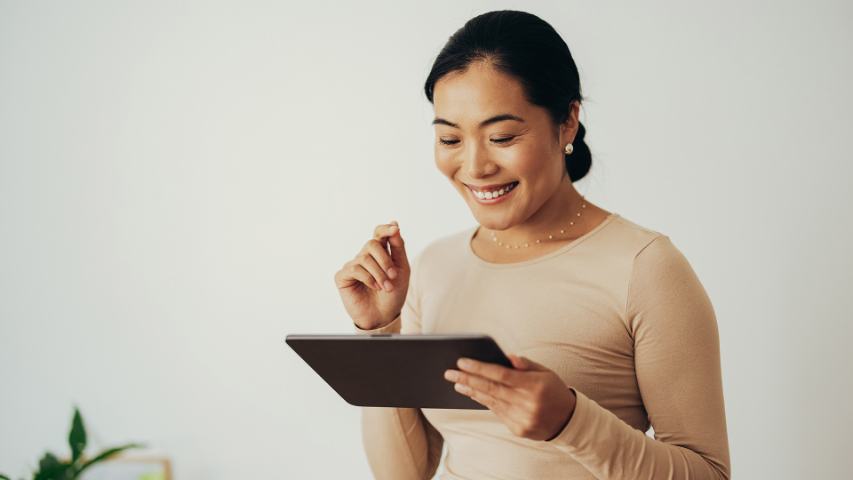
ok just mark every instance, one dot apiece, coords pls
pixel 618 314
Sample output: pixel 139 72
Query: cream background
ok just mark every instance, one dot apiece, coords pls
pixel 179 181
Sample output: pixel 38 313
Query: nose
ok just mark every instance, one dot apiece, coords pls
pixel 476 161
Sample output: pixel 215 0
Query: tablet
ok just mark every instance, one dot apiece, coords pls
pixel 394 369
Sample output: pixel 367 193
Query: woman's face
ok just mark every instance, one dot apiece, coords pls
pixel 479 148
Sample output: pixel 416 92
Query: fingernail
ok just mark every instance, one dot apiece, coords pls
pixel 392 273
pixel 388 285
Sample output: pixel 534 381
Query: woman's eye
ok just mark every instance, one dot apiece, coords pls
pixel 496 140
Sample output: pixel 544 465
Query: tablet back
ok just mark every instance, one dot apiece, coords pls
pixel 395 370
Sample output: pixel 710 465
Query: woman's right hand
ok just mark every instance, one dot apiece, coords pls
pixel 373 285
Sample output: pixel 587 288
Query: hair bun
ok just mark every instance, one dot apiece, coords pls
pixel 579 161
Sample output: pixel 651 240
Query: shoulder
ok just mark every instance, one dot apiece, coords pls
pixel 650 250
pixel 629 236
pixel 636 243
pixel 661 274
pixel 633 258
pixel 661 282
pixel 612 250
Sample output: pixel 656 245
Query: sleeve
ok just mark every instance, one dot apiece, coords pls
pixel 677 362
pixel 400 443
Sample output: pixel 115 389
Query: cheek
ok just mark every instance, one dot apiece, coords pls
pixel 444 163
pixel 541 163
pixel 529 164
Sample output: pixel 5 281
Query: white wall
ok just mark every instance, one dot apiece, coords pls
pixel 180 181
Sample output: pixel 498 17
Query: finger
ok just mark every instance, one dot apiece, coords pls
pixel 489 387
pixel 354 273
pixel 389 234
pixel 508 411
pixel 366 260
pixel 492 371
pixel 366 278
pixel 382 257
pixel 497 405
pixel 398 250
pixel 518 362
pixel 513 413
pixel 382 232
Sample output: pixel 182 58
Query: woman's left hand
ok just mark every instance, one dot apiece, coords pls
pixel 530 399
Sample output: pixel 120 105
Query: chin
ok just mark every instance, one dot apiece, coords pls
pixel 493 223
pixel 492 220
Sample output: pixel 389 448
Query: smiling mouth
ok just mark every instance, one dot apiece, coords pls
pixel 493 194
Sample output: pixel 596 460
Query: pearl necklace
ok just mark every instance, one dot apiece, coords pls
pixel 550 236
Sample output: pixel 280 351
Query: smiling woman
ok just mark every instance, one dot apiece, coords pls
pixel 529 142
pixel 617 333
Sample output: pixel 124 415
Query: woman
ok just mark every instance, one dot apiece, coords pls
pixel 610 330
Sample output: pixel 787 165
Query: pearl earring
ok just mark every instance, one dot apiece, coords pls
pixel 569 148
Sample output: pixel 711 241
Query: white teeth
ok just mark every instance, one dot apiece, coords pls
pixel 495 194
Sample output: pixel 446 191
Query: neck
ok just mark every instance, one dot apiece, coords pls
pixel 555 214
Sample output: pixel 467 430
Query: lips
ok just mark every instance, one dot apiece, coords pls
pixel 494 196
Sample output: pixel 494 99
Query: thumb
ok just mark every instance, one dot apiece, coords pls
pixel 398 248
pixel 524 363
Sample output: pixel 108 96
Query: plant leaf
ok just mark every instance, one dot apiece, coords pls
pixel 107 454
pixel 50 468
pixel 4 477
pixel 77 436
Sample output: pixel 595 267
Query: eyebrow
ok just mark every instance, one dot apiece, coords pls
pixel 497 118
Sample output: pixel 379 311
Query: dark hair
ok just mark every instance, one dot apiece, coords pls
pixel 524 46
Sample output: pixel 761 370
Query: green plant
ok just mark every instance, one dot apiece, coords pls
pixel 52 468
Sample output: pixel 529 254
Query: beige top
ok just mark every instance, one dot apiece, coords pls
pixel 618 314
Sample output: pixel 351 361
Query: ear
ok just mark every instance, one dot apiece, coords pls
pixel 569 127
